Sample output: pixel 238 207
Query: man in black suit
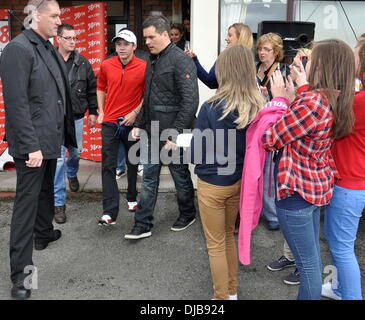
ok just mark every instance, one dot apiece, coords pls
pixel 38 121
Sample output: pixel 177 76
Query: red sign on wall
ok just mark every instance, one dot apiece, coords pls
pixel 4 39
pixel 90 22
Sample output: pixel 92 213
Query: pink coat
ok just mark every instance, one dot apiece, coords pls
pixel 252 175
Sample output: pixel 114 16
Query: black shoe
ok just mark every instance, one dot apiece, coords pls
pixel 280 264
pixel 19 292
pixel 138 232
pixel 42 244
pixel 182 223
pixel 292 278
pixel 273 225
pixel 73 184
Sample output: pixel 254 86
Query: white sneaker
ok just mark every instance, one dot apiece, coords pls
pixel 106 220
pixel 120 174
pixel 140 170
pixel 234 297
pixel 328 292
pixel 132 206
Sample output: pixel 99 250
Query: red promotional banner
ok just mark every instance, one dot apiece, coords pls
pixel 4 39
pixel 90 22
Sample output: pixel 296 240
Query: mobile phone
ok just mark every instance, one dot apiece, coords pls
pixel 304 60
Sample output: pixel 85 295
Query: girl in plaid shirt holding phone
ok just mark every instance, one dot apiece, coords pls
pixel 304 168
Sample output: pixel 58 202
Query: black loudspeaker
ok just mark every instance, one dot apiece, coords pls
pixel 295 34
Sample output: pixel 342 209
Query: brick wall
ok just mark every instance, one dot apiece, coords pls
pixel 163 6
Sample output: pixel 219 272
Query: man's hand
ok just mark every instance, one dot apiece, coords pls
pixel 129 118
pixel 135 134
pixel 101 117
pixel 170 145
pixel 35 159
pixel 91 120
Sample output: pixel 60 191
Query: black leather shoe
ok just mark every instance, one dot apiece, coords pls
pixel 73 184
pixel 42 244
pixel 20 293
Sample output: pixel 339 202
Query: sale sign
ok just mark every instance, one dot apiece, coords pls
pixel 90 23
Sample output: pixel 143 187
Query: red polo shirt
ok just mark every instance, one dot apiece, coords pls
pixel 124 87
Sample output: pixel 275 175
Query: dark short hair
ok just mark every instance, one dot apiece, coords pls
pixel 64 26
pixel 159 22
pixel 177 26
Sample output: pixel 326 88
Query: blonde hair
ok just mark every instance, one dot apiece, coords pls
pixel 277 43
pixel 244 35
pixel 236 76
pixel 333 72
pixel 304 52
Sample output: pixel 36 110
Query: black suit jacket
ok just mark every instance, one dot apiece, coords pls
pixel 38 111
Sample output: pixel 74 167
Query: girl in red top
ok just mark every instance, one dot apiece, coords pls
pixel 304 167
pixel 344 212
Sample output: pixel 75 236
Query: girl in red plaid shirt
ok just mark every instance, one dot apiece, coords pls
pixel 304 168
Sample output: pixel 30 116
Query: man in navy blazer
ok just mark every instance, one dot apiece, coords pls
pixel 39 120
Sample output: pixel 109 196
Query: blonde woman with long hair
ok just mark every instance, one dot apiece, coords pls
pixel 224 119
pixel 238 34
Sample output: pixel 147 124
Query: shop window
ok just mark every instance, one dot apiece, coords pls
pixel 250 12
pixel 334 19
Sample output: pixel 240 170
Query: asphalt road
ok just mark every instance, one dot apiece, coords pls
pixel 91 262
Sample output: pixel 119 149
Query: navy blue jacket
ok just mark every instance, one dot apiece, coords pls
pixel 209 79
pixel 215 150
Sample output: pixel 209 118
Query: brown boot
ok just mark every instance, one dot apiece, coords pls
pixel 60 214
pixel 73 184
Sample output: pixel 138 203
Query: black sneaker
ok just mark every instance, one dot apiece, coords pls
pixel 182 223
pixel 138 232
pixel 280 264
pixel 292 278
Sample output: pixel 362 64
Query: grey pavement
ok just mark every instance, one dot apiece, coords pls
pixel 91 262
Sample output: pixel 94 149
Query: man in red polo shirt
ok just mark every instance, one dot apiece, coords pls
pixel 120 89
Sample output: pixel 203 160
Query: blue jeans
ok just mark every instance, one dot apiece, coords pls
pixel 71 165
pixel 268 203
pixel 301 231
pixel 121 157
pixel 340 227
pixel 149 190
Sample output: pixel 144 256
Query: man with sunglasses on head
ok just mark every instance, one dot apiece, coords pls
pixel 39 120
pixel 83 97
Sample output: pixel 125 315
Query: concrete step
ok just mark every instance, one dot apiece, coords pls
pixel 89 176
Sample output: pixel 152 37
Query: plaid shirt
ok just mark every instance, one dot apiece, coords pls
pixel 306 165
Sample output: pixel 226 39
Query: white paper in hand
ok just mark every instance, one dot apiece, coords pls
pixel 183 140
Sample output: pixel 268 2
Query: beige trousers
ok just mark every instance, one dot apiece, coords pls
pixel 218 206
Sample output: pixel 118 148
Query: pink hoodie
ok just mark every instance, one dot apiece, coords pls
pixel 252 175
